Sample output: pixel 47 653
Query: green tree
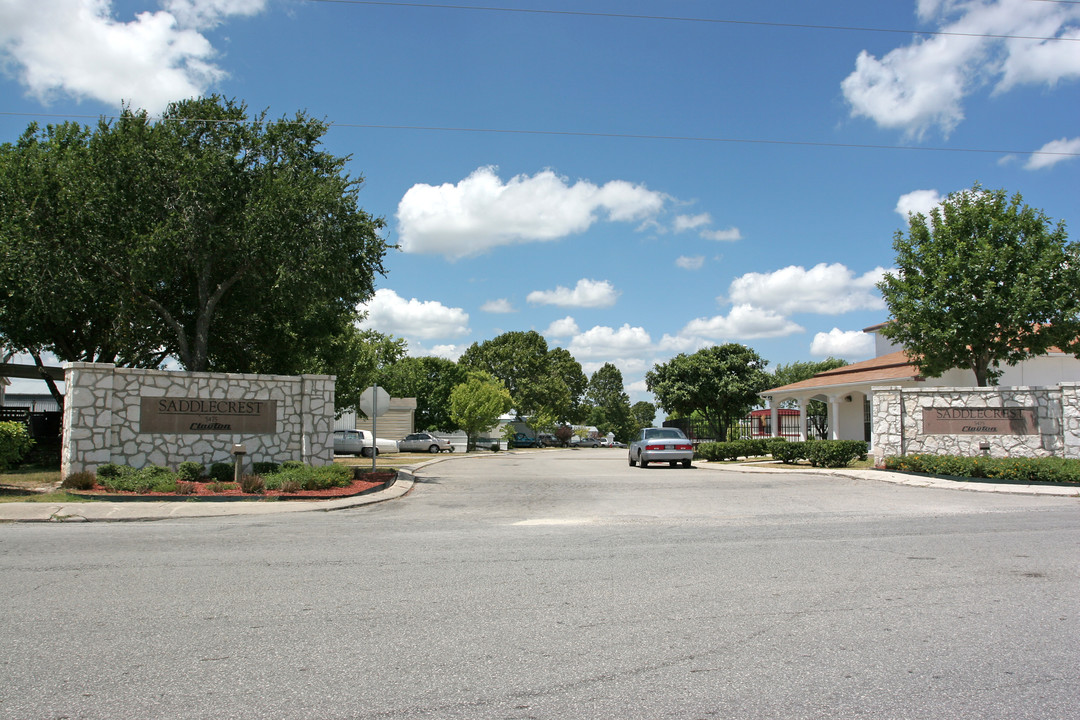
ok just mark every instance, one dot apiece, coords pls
pixel 984 280
pixel 477 403
pixel 611 405
pixel 357 357
pixel 541 382
pixel 230 243
pixel 430 380
pixel 719 384
pixel 644 414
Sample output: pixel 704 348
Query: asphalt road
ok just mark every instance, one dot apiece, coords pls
pixel 559 584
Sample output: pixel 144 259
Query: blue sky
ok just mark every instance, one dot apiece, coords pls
pixel 632 179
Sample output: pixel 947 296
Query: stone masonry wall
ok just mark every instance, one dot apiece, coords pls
pixel 102 416
pixel 898 421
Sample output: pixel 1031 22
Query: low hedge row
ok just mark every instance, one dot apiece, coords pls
pixel 1050 469
pixel 290 476
pixel 820 453
pixel 732 450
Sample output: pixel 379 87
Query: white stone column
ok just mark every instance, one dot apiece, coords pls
pixel 833 418
pixel 774 419
pixel 802 418
pixel 1070 419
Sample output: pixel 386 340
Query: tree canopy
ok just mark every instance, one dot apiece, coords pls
pixel 229 242
pixel 477 403
pixel 541 382
pixel 719 383
pixel 611 405
pixel 430 380
pixel 984 280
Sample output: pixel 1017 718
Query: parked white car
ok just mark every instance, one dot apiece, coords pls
pixel 661 445
pixel 424 442
pixel 358 442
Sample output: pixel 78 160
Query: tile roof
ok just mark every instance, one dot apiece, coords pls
pixel 891 367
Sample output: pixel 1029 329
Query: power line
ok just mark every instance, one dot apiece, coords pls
pixel 604 135
pixel 717 21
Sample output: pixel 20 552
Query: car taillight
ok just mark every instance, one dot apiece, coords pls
pixel 684 447
pixel 656 447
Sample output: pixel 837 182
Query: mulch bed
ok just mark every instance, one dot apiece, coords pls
pixel 371 482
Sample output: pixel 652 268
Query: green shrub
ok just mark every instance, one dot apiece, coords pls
pixel 79 481
pixel 190 471
pixel 265 468
pixel 222 472
pixel 15 443
pixel 306 477
pixel 220 487
pixel 1049 469
pixel 291 465
pixel 110 470
pixel 787 452
pixel 252 484
pixel 185 487
pixel 834 453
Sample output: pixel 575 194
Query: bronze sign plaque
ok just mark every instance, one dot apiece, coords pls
pixel 199 415
pixel 980 421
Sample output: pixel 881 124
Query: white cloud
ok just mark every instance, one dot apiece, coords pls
pixel 605 342
pixel 566 327
pixel 690 263
pixel 448 352
pixel 587 294
pixel 851 344
pixel 918 201
pixel 692 222
pixel 502 305
pixel 482 212
pixel 729 235
pixel 824 289
pixel 390 313
pixel 742 322
pixel 923 85
pixel 78 48
pixel 1064 145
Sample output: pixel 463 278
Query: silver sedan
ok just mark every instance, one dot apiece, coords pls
pixel 424 442
pixel 661 445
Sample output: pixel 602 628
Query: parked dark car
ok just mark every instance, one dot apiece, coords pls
pixel 548 440
pixel 521 440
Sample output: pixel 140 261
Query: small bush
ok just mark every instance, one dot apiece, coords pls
pixel 110 470
pixel 494 447
pixel 834 453
pixel 190 471
pixel 79 481
pixel 265 468
pixel 15 443
pixel 291 465
pixel 222 472
pixel 787 452
pixel 220 487
pixel 252 484
pixel 185 487
pixel 290 485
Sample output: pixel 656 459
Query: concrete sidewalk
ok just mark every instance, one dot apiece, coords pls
pixel 170 509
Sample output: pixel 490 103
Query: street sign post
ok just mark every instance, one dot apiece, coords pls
pixel 374 401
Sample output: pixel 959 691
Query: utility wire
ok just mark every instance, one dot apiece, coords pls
pixel 717 21
pixel 606 135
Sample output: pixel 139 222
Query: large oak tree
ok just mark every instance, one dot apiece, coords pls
pixel 229 242
pixel 984 280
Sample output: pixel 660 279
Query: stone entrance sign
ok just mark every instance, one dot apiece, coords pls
pixel 201 415
pixel 979 421
pixel 139 417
